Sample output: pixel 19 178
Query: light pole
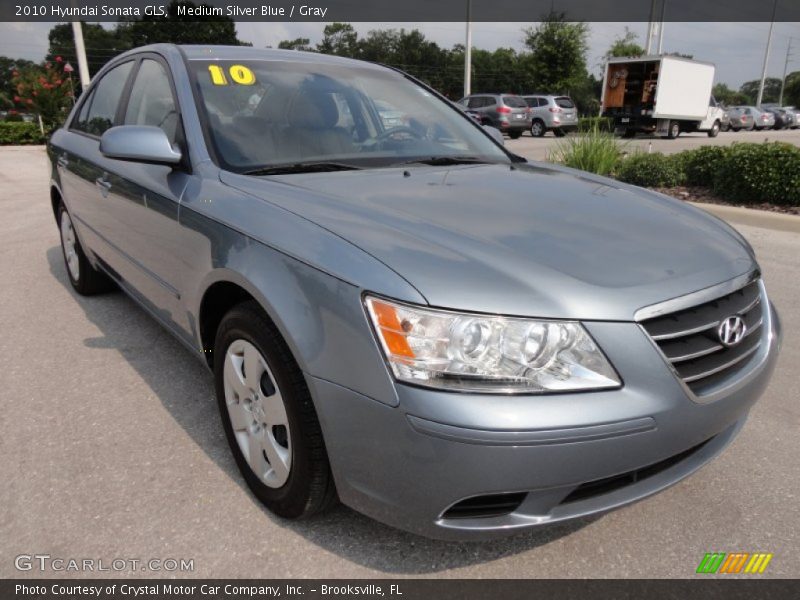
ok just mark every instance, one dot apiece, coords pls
pixel 785 68
pixel 766 55
pixel 468 53
pixel 80 52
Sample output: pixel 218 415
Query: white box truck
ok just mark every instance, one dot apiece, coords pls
pixel 662 94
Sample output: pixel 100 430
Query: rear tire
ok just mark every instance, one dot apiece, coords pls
pixel 629 133
pixel 537 128
pixel 85 279
pixel 269 416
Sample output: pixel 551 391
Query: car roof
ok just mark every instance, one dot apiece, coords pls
pixel 222 52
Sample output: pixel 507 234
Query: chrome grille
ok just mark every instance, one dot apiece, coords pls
pixel 690 342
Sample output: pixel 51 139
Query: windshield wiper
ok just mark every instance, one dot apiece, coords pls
pixel 301 167
pixel 443 161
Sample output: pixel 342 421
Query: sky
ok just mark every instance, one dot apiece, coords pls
pixel 737 49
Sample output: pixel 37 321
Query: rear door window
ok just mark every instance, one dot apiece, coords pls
pixel 514 102
pixel 104 101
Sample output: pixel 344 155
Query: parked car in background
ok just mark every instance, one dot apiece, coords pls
pixel 783 118
pixel 763 119
pixel 796 114
pixel 507 112
pixel 741 117
pixel 474 115
pixel 724 119
pixel 411 319
pixel 551 113
pixel 390 116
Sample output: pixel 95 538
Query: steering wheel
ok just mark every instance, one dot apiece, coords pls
pixel 384 135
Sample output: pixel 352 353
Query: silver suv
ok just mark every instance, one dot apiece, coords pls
pixel 551 113
pixel 508 113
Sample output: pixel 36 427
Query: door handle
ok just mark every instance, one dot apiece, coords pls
pixel 103 184
pixel 62 161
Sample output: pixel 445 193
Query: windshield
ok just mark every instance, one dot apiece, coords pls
pixel 263 113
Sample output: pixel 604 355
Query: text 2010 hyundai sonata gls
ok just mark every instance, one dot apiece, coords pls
pixel 398 312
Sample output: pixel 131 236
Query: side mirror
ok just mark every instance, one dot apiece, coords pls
pixel 495 133
pixel 139 143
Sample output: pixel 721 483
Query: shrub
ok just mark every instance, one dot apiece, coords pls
pixel 754 173
pixel 18 133
pixel 651 170
pixel 43 90
pixel 595 151
pixel 600 123
pixel 701 165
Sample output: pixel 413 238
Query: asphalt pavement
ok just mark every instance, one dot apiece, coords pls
pixel 539 148
pixel 112 448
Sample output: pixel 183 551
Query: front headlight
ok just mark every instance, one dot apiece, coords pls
pixel 484 353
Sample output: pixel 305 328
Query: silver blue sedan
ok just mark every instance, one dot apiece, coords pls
pixel 401 314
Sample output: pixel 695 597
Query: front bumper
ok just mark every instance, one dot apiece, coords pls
pixel 564 455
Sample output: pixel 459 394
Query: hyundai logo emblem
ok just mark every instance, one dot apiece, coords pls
pixel 731 331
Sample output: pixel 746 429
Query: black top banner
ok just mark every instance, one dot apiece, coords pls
pixel 384 11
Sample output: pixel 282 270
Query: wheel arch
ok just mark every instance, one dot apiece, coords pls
pixel 222 293
pixel 316 315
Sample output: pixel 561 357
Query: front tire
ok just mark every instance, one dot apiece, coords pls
pixel 559 132
pixel 85 279
pixel 514 135
pixel 714 131
pixel 269 416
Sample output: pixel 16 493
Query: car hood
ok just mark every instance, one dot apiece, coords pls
pixel 534 240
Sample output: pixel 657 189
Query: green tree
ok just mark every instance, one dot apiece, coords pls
pixel 625 45
pixel 557 59
pixel 104 44
pixel 340 39
pixel 791 92
pixel 380 45
pixel 296 44
pixel 101 45
pixel 726 96
pixel 177 29
pixel 772 89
